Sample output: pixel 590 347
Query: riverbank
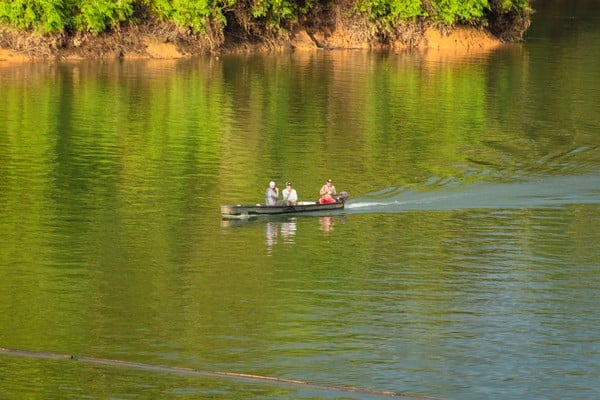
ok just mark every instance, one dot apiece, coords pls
pixel 137 43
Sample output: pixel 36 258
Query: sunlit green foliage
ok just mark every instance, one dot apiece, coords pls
pixel 98 15
pixel 275 11
pixel 48 16
pixel 51 16
pixel 192 14
pixel 452 11
pixel 392 12
pixel 389 13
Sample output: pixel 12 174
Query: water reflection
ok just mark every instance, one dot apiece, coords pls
pixel 326 223
pixel 270 235
pixel 287 230
pixel 473 246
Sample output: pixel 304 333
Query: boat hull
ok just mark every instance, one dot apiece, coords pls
pixel 254 210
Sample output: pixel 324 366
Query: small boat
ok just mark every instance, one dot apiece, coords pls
pixel 254 210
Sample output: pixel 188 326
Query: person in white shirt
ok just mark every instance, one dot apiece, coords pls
pixel 290 197
pixel 271 194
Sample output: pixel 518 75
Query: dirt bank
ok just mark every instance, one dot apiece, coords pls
pixel 135 43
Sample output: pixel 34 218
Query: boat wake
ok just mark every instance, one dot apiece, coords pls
pixel 532 192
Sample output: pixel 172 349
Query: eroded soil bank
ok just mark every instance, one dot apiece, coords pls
pixel 136 42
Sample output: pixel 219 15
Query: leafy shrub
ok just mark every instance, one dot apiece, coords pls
pixel 275 12
pixel 48 16
pixel 271 16
pixel 392 10
pixel 390 13
pixel 98 15
pixel 198 16
pixel 450 12
pixel 42 15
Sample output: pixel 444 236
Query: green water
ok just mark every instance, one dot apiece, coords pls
pixel 465 265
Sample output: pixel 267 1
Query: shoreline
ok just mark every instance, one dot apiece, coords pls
pixel 460 41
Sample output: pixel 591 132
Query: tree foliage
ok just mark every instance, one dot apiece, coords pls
pixel 195 15
pixel 98 15
pixel 50 16
pixel 58 16
pixel 388 13
pixel 453 11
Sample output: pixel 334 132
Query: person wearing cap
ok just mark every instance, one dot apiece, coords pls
pixel 290 197
pixel 271 194
pixel 327 192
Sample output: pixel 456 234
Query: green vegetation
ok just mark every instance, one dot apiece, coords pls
pixel 51 16
pixel 256 17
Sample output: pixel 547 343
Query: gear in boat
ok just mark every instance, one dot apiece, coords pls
pixel 248 210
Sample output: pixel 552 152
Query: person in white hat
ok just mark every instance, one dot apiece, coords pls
pixel 271 194
pixel 289 195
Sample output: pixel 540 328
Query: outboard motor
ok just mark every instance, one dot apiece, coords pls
pixel 342 197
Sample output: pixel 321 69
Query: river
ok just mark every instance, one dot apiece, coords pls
pixel 466 264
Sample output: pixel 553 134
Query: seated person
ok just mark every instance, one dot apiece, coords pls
pixel 327 192
pixel 290 197
pixel 271 194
